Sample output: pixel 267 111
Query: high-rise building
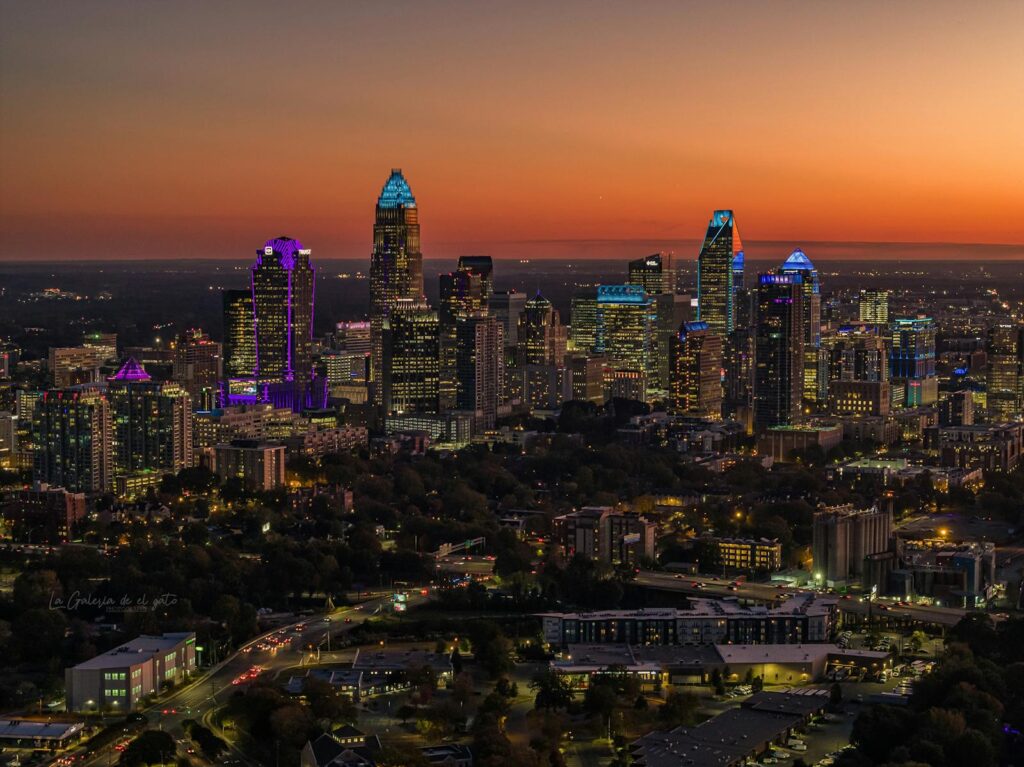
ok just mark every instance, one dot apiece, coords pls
pixel 799 263
pixel 282 292
pixel 1005 397
pixel 738 376
pixel 463 293
pixel 479 368
pixel 912 361
pixel 652 274
pixel 873 306
pixel 482 266
pixel 715 276
pixel 778 350
pixel 506 306
pixel 72 432
pixel 353 337
pixel 583 321
pixel 855 366
pixel 410 380
pixel 542 337
pixel 396 264
pixel 152 423
pixel 239 335
pixel 695 387
pixel 626 329
pixel 197 367
pixel 587 376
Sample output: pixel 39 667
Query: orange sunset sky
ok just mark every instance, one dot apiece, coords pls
pixel 199 129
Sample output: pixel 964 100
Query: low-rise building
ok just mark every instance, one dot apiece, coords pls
pixel 42 514
pixel 781 442
pixel 803 619
pixel 119 679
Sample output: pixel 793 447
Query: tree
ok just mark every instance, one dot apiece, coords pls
pixel 679 708
pixel 150 747
pixel 835 694
pixel 552 691
pixel 917 641
pixel 506 688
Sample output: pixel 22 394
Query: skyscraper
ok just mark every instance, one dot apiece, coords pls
pixel 583 321
pixel 396 264
pixel 478 368
pixel 239 335
pixel 873 306
pixel 152 423
pixel 282 295
pixel 912 361
pixel 626 328
pixel 652 274
pixel 856 370
pixel 542 337
pixel 1006 371
pixel 463 293
pixel 506 306
pixel 695 364
pixel 482 266
pixel 799 263
pixel 715 276
pixel 72 434
pixel 410 380
pixel 778 350
pixel 197 366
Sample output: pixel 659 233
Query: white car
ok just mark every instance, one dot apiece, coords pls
pixel 799 747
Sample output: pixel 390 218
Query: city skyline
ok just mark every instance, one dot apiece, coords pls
pixel 540 132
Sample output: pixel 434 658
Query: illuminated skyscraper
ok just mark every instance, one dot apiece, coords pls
pixel 72 434
pixel 715 276
pixel 912 361
pixel 479 368
pixel 152 423
pixel 626 329
pixel 799 263
pixel 410 380
pixel 583 321
pixel 778 350
pixel 652 274
pixel 239 335
pixel 463 293
pixel 542 337
pixel 873 306
pixel 396 264
pixel 282 295
pixel 695 364
pixel 1006 371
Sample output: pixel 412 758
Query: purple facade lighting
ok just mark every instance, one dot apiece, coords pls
pixel 131 371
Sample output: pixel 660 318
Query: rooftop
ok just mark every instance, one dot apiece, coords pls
pixel 396 192
pixel 138 650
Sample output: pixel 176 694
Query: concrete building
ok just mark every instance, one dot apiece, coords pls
pixel 42 514
pixel 744 554
pixel 991 447
pixel 260 465
pixel 120 678
pixel 601 533
pixel 843 537
pixel 780 442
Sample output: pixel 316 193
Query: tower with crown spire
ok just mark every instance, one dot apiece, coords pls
pixel 396 265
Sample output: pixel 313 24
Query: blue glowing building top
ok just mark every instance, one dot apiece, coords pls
pixel 737 262
pixel 798 261
pixel 621 294
pixel 396 192
pixel 691 327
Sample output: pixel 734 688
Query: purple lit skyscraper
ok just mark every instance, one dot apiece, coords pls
pixel 282 300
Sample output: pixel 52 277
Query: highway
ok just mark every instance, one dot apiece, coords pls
pixel 719 587
pixel 215 686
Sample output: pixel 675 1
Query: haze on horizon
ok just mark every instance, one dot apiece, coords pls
pixel 189 129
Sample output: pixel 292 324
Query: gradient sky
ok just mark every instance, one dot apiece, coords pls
pixel 199 129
